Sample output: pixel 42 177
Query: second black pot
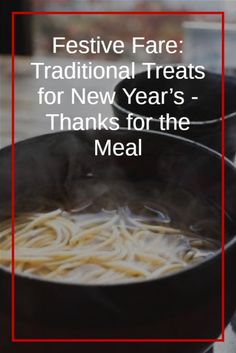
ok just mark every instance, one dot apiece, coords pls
pixel 205 114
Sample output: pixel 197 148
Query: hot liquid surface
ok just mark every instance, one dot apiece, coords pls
pixel 116 238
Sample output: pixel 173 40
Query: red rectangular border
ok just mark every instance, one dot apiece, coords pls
pixel 220 13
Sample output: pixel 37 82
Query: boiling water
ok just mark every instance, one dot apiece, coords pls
pixel 121 233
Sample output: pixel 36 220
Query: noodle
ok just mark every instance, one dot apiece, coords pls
pixel 107 247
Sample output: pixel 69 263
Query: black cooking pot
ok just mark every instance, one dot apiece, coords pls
pixel 184 305
pixel 204 114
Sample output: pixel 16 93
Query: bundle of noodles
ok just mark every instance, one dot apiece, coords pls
pixel 107 247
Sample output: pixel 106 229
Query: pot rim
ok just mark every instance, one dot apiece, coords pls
pixel 203 263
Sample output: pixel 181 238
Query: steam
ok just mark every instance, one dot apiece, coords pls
pixel 61 171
